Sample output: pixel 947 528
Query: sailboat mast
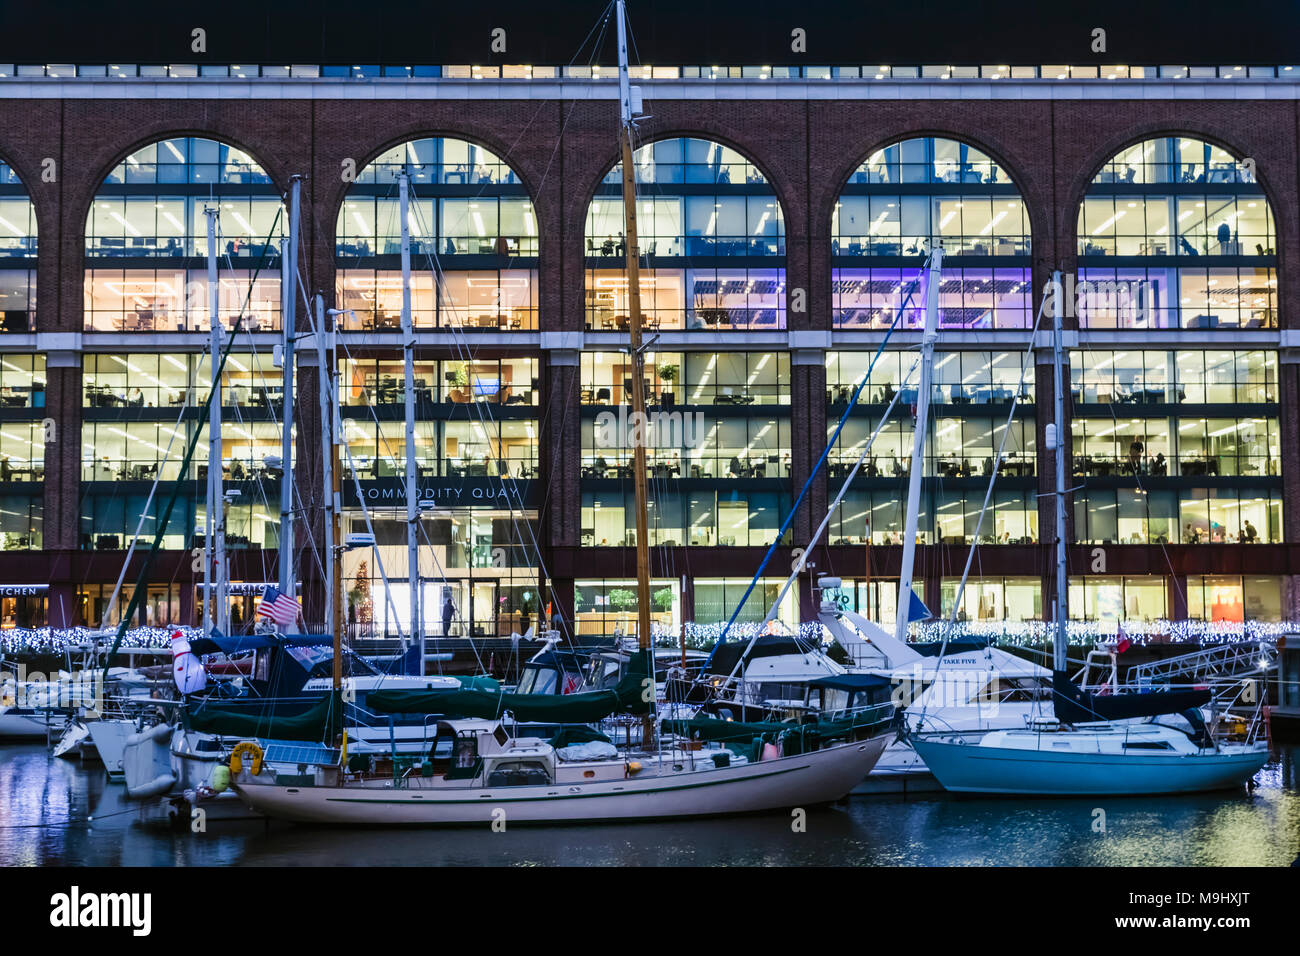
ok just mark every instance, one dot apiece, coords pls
pixel 408 373
pixel 215 540
pixel 928 337
pixel 1062 587
pixel 289 301
pixel 329 486
pixel 639 424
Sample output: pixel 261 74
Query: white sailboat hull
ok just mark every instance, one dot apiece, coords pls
pixel 971 768
pixel 787 782
pixel 29 724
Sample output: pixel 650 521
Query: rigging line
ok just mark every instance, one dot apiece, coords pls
pixel 462 349
pixel 603 23
pixel 165 518
pixel 424 533
pixel 180 481
pixel 830 512
pixel 785 525
pixel 1060 449
pixel 144 514
pixel 1026 361
pixel 365 511
pixel 239 410
pixel 1137 477
pixel 412 573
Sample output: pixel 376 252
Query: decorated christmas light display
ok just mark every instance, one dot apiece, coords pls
pixel 46 640
pixel 1019 633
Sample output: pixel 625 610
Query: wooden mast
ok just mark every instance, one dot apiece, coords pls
pixel 639 424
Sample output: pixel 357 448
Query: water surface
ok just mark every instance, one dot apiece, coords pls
pixel 57 812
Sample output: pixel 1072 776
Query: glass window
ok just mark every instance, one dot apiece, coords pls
pixel 473 238
pixel 740 518
pixel 603 606
pixel 1199 214
pixel 717 599
pixel 20 522
pixel 971 298
pixel 22 381
pixel 698 201
pixel 17 253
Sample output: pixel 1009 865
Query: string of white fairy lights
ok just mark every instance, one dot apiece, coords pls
pixel 47 640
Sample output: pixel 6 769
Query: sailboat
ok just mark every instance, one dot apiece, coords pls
pixel 1092 743
pixel 477 771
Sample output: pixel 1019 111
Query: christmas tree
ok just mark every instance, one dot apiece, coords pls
pixel 360 595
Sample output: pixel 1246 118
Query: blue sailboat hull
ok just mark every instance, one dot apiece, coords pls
pixel 969 768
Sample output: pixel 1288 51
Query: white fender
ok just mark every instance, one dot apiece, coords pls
pixel 155 787
pixel 146 762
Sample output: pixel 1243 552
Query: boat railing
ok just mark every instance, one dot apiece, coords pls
pixel 1223 661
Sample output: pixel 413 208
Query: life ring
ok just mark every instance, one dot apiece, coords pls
pixel 237 758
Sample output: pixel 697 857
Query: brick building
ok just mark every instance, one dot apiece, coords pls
pixel 768 302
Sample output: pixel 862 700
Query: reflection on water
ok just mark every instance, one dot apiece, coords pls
pixel 59 812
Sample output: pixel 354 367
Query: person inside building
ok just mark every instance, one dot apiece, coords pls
pixel 448 613
pixel 1135 451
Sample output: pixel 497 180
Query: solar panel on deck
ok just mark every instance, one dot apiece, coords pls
pixel 300 753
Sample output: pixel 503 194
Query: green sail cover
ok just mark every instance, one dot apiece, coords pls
pixel 735 731
pixel 481 682
pixel 319 723
pixel 631 696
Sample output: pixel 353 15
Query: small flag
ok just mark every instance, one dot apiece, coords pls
pixel 280 608
pixel 1124 643
pixel 916 609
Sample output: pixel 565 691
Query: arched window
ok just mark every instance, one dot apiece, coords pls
pixel 710 231
pixel 902 202
pixel 1176 233
pixel 471 220
pixel 17 253
pixel 146 240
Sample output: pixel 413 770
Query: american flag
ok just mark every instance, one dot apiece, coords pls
pixel 278 607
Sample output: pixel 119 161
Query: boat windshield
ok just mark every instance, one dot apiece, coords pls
pixel 537 680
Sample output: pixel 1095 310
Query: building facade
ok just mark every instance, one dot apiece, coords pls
pixel 783 219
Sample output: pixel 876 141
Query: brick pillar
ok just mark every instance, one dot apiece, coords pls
pixel 807 437
pixel 688 599
pixel 807 599
pixel 1291 597
pixel 1289 426
pixel 561 453
pixel 1045 412
pixel 61 506
pixel 561 594
pixel 1176 589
